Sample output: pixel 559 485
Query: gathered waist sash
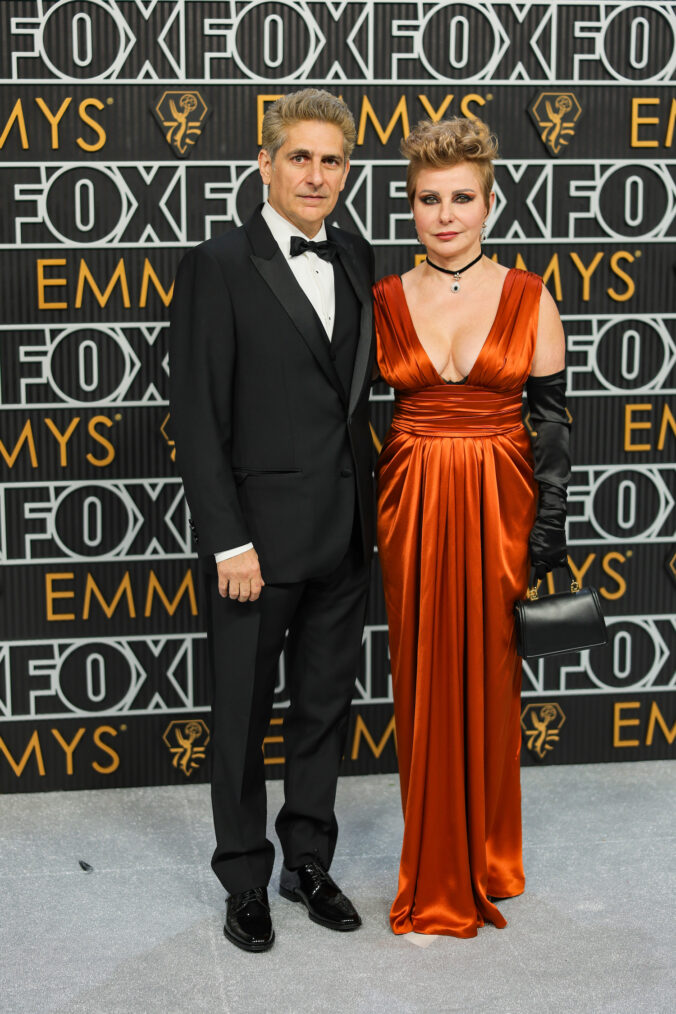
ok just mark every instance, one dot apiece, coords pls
pixel 457 412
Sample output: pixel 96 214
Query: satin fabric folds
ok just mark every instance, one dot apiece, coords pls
pixel 456 502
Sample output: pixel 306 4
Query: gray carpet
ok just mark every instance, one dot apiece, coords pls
pixel 142 932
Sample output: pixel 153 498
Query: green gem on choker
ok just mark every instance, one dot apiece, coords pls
pixel 455 287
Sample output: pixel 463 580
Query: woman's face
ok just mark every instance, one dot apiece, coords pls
pixel 449 210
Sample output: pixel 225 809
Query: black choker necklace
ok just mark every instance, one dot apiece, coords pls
pixel 455 287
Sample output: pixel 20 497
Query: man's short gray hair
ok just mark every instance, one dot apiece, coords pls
pixel 307 104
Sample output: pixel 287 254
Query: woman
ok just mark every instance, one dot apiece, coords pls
pixel 459 337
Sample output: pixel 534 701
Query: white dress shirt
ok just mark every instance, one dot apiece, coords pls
pixel 315 277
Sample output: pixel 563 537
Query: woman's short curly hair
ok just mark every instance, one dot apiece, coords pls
pixel 447 143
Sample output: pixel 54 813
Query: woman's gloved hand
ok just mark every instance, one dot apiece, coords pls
pixel 551 454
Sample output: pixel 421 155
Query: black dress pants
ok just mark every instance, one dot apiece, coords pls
pixel 325 620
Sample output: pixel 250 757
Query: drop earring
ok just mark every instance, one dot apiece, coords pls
pixel 483 233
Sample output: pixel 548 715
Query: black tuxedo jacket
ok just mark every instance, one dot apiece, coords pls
pixel 271 448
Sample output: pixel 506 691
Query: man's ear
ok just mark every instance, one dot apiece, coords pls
pixel 345 172
pixel 265 166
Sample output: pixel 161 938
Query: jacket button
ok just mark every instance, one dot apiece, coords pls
pixel 346 473
pixel 332 355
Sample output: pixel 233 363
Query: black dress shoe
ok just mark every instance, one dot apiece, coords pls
pixel 323 899
pixel 247 920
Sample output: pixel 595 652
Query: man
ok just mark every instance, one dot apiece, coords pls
pixel 271 358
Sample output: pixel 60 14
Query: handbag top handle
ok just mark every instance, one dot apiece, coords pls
pixel 532 592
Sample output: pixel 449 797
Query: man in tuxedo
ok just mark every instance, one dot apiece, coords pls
pixel 271 356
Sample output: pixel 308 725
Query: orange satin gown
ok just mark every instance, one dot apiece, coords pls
pixel 456 503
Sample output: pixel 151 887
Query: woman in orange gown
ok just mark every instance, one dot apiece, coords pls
pixel 458 338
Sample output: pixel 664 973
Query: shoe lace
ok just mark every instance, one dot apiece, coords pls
pixel 318 875
pixel 253 894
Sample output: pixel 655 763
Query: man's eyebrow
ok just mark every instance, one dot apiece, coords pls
pixel 306 153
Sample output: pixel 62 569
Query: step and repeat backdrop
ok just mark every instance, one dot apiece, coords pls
pixel 128 132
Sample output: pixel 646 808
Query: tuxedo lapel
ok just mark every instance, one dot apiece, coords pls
pixel 360 286
pixel 272 266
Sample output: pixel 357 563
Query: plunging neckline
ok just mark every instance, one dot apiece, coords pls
pixel 463 380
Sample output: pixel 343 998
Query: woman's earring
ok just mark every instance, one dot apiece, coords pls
pixel 483 233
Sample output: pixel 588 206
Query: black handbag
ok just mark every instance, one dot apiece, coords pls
pixel 564 621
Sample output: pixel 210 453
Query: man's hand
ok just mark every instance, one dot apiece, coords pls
pixel 240 577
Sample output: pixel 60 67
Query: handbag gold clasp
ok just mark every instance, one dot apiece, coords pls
pixel 574 587
pixel 532 593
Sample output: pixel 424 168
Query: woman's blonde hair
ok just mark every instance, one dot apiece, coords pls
pixel 307 104
pixel 447 143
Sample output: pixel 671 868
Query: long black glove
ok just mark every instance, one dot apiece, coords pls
pixel 551 454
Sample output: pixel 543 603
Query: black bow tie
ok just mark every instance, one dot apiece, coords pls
pixel 326 249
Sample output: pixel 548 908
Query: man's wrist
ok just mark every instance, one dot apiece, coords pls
pixel 227 554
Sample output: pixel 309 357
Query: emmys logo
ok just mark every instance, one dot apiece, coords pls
pixel 541 724
pixel 170 442
pixel 670 564
pixel 555 114
pixel 187 742
pixel 181 115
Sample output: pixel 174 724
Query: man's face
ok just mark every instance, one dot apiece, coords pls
pixel 308 173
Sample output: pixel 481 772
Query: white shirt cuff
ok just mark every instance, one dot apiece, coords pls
pixel 228 553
